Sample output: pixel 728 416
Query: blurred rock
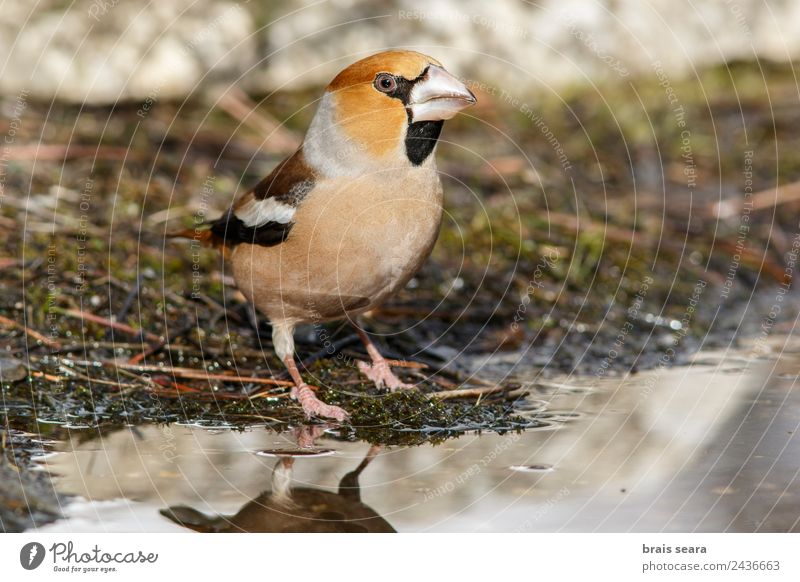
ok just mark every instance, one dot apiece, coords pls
pixel 12 370
pixel 27 497
pixel 103 51
pixel 100 51
pixel 517 45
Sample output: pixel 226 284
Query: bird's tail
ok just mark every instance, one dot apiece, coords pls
pixel 200 234
pixel 203 235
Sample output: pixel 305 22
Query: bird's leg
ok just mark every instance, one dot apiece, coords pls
pixel 282 480
pixel 306 436
pixel 348 486
pixel 379 371
pixel 312 405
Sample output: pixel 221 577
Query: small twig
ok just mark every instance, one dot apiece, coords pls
pixel 268 394
pixel 442 381
pixel 764 264
pixel 407 364
pixel 175 385
pixel 183 388
pixel 126 305
pixel 70 372
pixel 31 332
pixel 769 198
pixel 160 345
pixel 80 347
pixel 189 373
pixel 466 392
pixel 6 262
pixel 517 393
pixel 47 376
pixel 151 351
pixel 66 151
pixel 237 104
pixel 126 329
pixel 234 378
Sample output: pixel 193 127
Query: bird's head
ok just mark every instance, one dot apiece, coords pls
pixel 385 109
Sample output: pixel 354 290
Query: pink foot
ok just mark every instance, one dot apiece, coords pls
pixel 381 374
pixel 313 406
pixel 306 436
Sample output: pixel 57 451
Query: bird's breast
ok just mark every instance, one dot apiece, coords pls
pixel 355 238
pixel 367 236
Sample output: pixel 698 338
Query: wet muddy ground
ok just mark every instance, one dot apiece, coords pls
pixel 562 335
pixel 711 446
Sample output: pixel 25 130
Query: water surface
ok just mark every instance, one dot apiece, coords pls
pixel 712 446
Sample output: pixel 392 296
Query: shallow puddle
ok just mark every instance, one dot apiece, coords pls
pixel 709 447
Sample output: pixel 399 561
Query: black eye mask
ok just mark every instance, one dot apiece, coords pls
pixel 421 136
pixel 404 86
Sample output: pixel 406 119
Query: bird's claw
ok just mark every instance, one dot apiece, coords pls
pixel 313 406
pixel 381 374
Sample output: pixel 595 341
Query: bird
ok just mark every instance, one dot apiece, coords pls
pixel 347 219
pixel 284 509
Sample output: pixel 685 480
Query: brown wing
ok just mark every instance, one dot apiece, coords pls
pixel 263 216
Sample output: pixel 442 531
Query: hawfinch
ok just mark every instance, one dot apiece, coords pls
pixel 346 220
pixel 284 509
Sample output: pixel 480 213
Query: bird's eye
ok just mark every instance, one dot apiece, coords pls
pixel 385 83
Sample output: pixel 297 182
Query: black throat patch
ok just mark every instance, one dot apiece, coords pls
pixel 421 138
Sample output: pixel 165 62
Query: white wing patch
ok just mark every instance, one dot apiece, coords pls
pixel 258 212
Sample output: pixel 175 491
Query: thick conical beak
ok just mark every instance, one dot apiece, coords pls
pixel 438 95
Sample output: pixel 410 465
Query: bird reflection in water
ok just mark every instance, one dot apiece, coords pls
pixel 302 509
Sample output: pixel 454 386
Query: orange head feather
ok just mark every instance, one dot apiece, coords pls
pixel 377 98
